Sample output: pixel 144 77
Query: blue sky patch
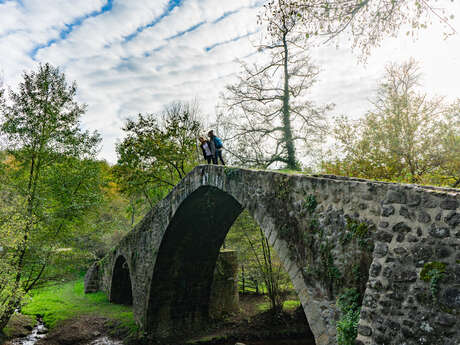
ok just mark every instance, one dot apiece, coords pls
pixel 64 33
pixel 172 4
pixel 211 47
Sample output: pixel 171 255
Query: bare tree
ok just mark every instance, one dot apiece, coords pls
pixel 268 113
pixel 366 22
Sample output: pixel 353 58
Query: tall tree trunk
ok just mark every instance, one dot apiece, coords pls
pixel 243 278
pixel 7 313
pixel 291 160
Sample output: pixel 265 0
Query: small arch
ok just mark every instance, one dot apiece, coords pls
pixel 121 290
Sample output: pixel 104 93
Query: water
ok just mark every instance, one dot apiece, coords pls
pixel 275 342
pixel 106 341
pixel 38 332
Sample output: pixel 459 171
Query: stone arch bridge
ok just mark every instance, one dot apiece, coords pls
pixel 397 245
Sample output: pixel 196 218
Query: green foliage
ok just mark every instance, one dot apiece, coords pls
pixel 407 137
pixel 329 271
pixel 154 154
pixel 347 326
pixel 426 272
pixel 287 305
pixel 231 173
pixel 310 203
pixel 284 188
pixel 314 224
pixel 356 230
pixel 349 300
pixel 261 269
pixel 50 181
pixel 433 272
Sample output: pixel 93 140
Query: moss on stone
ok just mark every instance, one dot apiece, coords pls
pixel 330 273
pixel 284 188
pixel 310 203
pixel 19 326
pixel 427 272
pixel 358 229
pixel 231 173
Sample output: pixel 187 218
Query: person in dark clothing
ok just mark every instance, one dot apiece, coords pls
pixel 206 148
pixel 218 147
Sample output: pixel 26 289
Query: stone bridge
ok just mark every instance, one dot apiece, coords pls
pixel 397 245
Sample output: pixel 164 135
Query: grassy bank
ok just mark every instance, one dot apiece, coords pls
pixel 65 301
pixel 288 305
pixel 75 317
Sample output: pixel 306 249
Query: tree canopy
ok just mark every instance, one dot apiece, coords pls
pixel 366 22
pixel 406 137
pixel 157 151
pixel 50 178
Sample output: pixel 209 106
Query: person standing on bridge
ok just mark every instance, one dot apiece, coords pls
pixel 217 143
pixel 206 148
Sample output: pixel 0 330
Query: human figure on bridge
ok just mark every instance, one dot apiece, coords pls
pixel 217 143
pixel 206 148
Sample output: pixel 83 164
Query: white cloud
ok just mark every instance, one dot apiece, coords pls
pixel 135 56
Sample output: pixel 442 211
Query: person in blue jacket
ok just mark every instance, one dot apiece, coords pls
pixel 218 147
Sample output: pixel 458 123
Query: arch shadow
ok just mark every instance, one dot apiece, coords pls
pixel 121 288
pixel 184 269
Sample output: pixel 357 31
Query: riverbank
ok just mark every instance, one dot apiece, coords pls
pixel 63 305
pixel 78 319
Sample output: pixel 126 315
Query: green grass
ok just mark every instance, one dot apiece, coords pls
pixel 290 171
pixel 250 289
pixel 61 302
pixel 287 305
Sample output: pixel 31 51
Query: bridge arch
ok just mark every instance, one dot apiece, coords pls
pixel 121 286
pixel 183 272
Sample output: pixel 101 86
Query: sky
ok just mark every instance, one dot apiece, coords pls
pixel 136 56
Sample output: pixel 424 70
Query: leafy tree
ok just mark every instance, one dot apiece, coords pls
pixel 260 266
pixel 407 137
pixel 451 142
pixel 269 113
pixel 51 179
pixel 367 22
pixel 108 223
pixel 158 150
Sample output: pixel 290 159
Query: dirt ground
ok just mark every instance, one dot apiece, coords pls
pixel 77 331
pixel 250 323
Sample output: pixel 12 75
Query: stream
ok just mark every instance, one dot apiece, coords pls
pixel 275 342
pixel 38 332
